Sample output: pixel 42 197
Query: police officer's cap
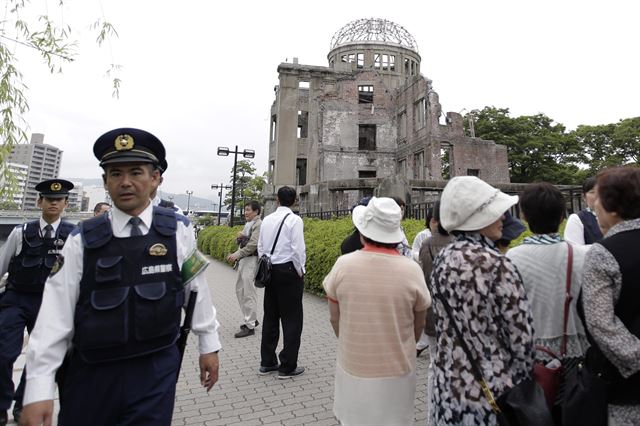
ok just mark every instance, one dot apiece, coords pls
pixel 128 145
pixel 162 166
pixel 54 188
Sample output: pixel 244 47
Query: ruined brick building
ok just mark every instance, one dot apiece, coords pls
pixel 339 132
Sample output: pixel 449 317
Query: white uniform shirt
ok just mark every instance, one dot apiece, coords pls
pixel 156 202
pixel 290 246
pixel 52 334
pixel 574 230
pixel 13 246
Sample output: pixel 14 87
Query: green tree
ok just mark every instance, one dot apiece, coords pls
pixel 248 184
pixel 8 205
pixel 538 148
pixel 50 40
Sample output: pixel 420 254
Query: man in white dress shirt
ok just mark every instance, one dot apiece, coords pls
pixel 283 295
pixel 28 255
pixel 115 298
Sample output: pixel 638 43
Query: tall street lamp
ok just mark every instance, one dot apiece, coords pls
pixel 220 187
pixel 188 200
pixel 247 153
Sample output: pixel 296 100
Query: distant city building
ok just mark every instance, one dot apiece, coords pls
pixel 76 196
pixel 338 131
pixel 19 172
pixel 43 162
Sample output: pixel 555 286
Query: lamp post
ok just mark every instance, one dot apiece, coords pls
pixel 247 153
pixel 188 200
pixel 221 187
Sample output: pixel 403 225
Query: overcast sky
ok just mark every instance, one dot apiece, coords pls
pixel 200 74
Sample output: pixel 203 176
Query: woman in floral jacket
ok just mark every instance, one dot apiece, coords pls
pixel 488 304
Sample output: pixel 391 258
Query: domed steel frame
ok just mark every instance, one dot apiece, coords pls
pixel 373 30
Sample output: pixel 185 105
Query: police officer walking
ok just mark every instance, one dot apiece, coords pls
pixel 116 299
pixel 28 255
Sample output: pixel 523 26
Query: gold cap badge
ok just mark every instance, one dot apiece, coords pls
pixel 56 186
pixel 124 143
pixel 158 250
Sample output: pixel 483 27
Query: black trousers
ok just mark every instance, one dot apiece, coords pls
pixel 282 302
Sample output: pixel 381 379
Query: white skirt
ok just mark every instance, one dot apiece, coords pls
pixel 374 401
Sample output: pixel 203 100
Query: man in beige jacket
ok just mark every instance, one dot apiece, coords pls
pixel 246 259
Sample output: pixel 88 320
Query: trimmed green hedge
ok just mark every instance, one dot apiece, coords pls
pixel 322 239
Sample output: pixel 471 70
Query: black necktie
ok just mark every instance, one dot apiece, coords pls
pixel 135 229
pixel 48 231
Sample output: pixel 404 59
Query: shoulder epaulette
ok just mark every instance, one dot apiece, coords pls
pixel 96 232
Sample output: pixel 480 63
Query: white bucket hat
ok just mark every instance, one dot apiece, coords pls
pixel 470 204
pixel 379 220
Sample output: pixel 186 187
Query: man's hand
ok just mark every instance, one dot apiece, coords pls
pixel 231 258
pixel 39 413
pixel 209 365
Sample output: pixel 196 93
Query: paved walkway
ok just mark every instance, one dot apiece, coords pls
pixel 241 397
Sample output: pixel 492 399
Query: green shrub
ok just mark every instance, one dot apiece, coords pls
pixel 322 239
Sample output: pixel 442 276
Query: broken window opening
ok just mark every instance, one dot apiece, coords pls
pixel 445 161
pixel 363 174
pixel 377 60
pixel 385 62
pixel 365 94
pixel 473 172
pixel 360 60
pixel 418 165
pixel 352 58
pixel 301 171
pixel 402 167
pixel 343 58
pixel 392 62
pixel 303 85
pixel 274 124
pixel 402 126
pixel 272 166
pixel 420 117
pixel 406 66
pixel 367 137
pixel 303 124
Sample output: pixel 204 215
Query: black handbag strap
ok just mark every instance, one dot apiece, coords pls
pixel 278 234
pixel 474 365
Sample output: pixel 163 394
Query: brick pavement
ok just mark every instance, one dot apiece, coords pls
pixel 241 397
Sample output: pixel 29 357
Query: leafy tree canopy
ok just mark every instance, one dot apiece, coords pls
pixel 540 149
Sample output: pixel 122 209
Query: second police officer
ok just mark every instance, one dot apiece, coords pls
pixel 28 255
pixel 116 300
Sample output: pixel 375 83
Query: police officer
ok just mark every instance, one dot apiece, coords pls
pixel 155 198
pixel 28 255
pixel 115 298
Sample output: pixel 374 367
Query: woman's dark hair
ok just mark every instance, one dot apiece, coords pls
pixel 286 196
pixel 377 244
pixel 588 184
pixel 619 191
pixel 436 217
pixel 543 206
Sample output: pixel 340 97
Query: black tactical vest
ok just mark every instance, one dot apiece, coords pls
pixel 29 270
pixel 131 290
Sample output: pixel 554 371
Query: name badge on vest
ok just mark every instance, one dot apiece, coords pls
pixel 58 242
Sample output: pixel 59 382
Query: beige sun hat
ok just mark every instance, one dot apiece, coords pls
pixel 470 204
pixel 379 220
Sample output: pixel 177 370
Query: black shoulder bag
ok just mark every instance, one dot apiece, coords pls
pixel 263 269
pixel 522 405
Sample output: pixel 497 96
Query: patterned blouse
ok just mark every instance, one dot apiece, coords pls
pixel 489 305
